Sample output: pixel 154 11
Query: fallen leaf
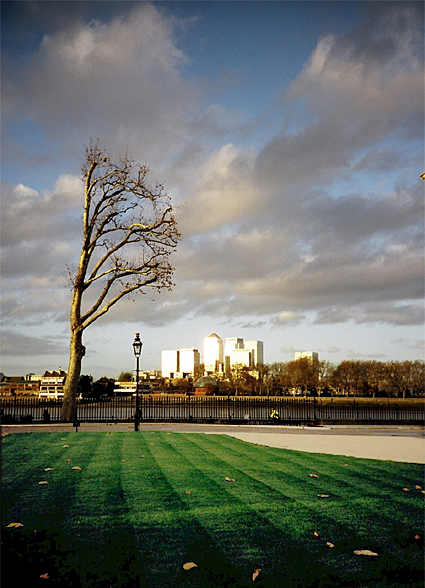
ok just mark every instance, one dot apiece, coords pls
pixel 43 482
pixel 63 438
pixel 418 487
pixel 45 577
pixel 48 469
pixel 14 525
pixel 417 537
pixel 365 552
pixel 188 492
pixel 189 565
pixel 316 534
pixel 423 491
pixel 406 490
pixel 229 479
pixel 68 460
pixel 256 574
pixel 143 456
pixel 75 468
pixel 65 445
pixel 329 544
pixel 313 475
pixel 323 495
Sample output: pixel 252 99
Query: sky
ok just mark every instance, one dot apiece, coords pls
pixel 289 136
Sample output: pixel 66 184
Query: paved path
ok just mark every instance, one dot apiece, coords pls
pixel 393 443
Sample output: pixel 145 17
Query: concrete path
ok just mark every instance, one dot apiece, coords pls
pixel 404 449
pixel 393 443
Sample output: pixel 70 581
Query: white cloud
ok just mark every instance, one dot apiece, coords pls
pixel 223 192
pixel 333 349
pixel 287 317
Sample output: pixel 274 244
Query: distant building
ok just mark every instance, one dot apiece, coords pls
pixel 241 357
pixel 170 363
pixel 248 353
pixel 312 355
pixel 189 361
pixel 18 386
pixel 52 384
pixel 179 363
pixel 233 343
pixel 213 352
pixel 257 351
pixel 205 386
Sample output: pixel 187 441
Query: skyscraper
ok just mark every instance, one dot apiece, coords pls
pixel 189 360
pixel 213 352
pixel 311 355
pixel 170 363
pixel 233 343
pixel 257 350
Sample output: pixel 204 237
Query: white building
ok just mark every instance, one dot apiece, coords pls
pixel 170 363
pixel 179 363
pixel 257 351
pixel 311 355
pixel 213 352
pixel 241 357
pixel 52 384
pixel 233 343
pixel 248 353
pixel 189 360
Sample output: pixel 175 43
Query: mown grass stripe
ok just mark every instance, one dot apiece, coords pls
pixel 128 512
pixel 202 515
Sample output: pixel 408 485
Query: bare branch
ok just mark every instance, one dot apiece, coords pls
pixel 129 231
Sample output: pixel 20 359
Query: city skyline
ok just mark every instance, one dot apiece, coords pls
pixel 217 355
pixel 289 136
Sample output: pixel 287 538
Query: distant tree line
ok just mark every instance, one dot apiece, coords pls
pixel 322 378
pixel 300 377
pixel 87 388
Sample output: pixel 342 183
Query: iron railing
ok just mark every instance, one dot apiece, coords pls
pixel 214 409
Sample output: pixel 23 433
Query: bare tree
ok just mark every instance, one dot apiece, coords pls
pixel 129 231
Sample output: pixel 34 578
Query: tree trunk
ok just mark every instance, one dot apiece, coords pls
pixel 69 407
pixel 76 352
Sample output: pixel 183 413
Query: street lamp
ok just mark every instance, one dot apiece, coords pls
pixel 137 348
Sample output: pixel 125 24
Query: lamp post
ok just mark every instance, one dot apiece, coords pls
pixel 137 348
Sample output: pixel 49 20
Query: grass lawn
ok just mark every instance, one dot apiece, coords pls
pixel 130 509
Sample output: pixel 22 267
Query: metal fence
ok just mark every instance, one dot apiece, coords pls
pixel 214 409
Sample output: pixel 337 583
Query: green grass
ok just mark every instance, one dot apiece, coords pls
pixel 143 504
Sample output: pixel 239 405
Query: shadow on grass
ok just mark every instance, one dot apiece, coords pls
pixel 36 559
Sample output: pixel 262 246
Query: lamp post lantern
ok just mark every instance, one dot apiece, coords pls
pixel 137 348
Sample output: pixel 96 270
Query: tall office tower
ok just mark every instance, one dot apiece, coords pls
pixel 257 350
pixel 213 352
pixel 312 355
pixel 233 343
pixel 170 363
pixel 241 357
pixel 189 360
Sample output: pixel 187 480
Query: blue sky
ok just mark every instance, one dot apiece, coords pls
pixel 290 138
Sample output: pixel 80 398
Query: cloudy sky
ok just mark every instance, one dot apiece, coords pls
pixel 290 138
